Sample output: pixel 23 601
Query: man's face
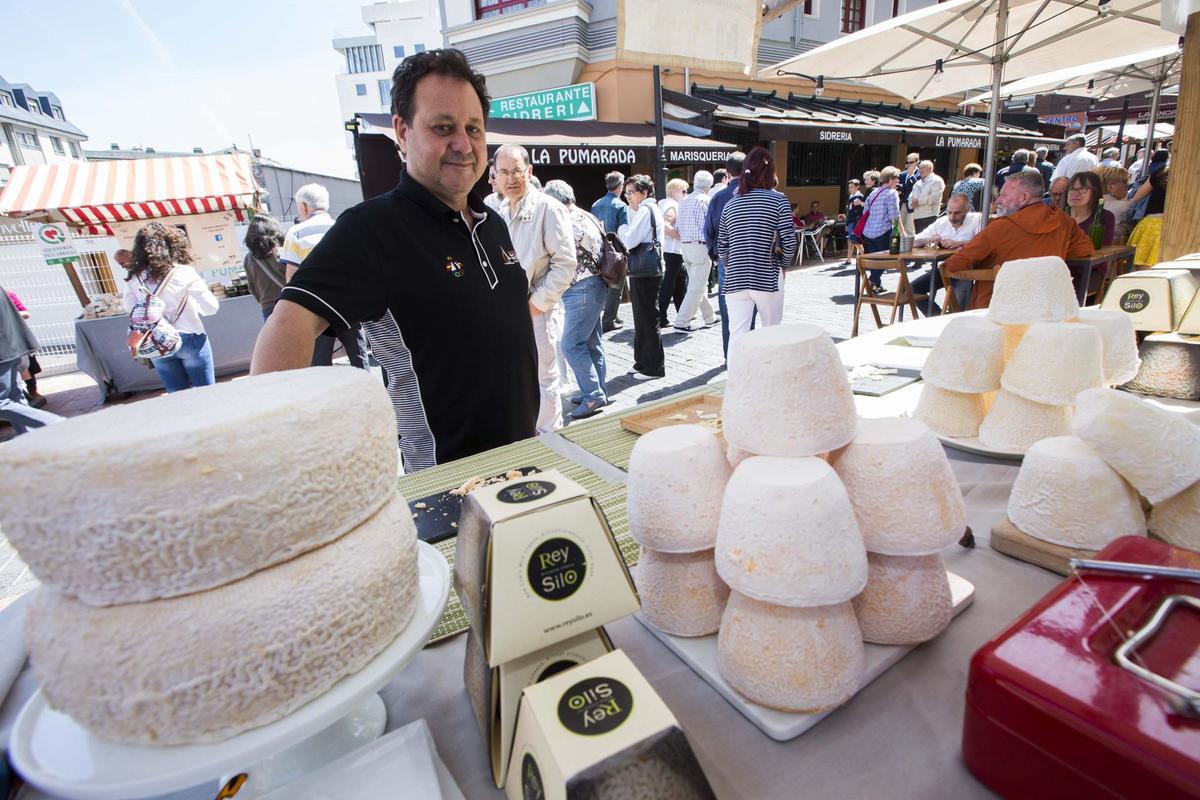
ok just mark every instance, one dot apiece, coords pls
pixel 444 148
pixel 910 163
pixel 1012 197
pixel 1071 147
pixel 512 176
pixel 814 206
pixel 303 211
pixel 956 210
pixel 926 172
pixel 1058 192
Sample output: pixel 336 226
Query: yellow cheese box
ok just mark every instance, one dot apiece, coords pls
pixel 600 730
pixel 536 564
pixel 496 691
pixel 1155 299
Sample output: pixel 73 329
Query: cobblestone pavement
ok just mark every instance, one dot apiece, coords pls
pixel 821 294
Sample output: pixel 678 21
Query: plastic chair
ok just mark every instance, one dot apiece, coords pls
pixel 811 237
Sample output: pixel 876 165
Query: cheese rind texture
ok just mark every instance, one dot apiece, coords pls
pixel 787 393
pixel 903 491
pixel 967 357
pixel 1054 362
pixel 1119 340
pixel 906 600
pixel 1177 520
pixel 193 490
pixel 1012 337
pixel 791 659
pixel 208 666
pixel 788 534
pixel 953 414
pixel 1013 423
pixel 677 477
pixel 1029 290
pixel 681 593
pixel 1065 494
pixel 1170 367
pixel 1156 450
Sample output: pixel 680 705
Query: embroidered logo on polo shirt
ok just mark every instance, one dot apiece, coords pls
pixel 454 267
pixel 509 256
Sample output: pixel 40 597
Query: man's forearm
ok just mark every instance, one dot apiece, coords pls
pixel 286 340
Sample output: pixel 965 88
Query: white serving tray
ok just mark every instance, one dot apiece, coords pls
pixel 700 653
pixel 54 753
pixel 973 445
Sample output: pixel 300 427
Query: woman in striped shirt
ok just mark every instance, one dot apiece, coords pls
pixel 756 240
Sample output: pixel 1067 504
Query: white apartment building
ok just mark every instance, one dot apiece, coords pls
pixel 34 129
pixel 395 30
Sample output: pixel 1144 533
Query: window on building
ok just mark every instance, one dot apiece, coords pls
pixel 813 164
pixel 385 93
pixel 28 140
pixel 854 15
pixel 367 58
pixel 808 7
pixel 494 8
pixel 75 150
pixel 57 144
pixel 34 107
pixel 398 51
pixel 6 99
pixel 418 48
pixel 56 112
pixel 360 89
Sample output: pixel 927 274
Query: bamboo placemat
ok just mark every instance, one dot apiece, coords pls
pixel 604 437
pixel 530 453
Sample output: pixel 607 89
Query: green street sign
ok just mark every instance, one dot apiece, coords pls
pixel 577 101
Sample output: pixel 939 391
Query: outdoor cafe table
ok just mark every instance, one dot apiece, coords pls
pixel 1105 255
pixel 930 255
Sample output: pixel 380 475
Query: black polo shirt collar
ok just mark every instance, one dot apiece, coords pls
pixel 412 189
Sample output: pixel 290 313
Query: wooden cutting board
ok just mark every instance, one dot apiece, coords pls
pixel 1054 557
pixel 701 409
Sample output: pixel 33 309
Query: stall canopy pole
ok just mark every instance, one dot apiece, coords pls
pixel 1150 128
pixel 660 167
pixel 994 108
pixel 1121 127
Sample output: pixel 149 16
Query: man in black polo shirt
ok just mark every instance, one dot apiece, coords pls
pixel 431 273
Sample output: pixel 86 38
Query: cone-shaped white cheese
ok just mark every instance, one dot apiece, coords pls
pixel 681 593
pixel 787 393
pixel 967 357
pixel 791 659
pixel 207 666
pixel 1014 423
pixel 788 534
pixel 1030 290
pixel 195 489
pixel 1120 343
pixel 1056 361
pixel 952 413
pixel 907 599
pixel 1156 450
pixel 677 477
pixel 1177 520
pixel 1065 494
pixel 904 493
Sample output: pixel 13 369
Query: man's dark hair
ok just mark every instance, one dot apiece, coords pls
pixel 642 183
pixel 733 164
pixel 1020 157
pixel 450 62
pixel 719 175
pixel 613 180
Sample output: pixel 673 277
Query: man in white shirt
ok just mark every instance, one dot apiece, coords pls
pixel 1111 156
pixel 1135 169
pixel 1076 159
pixel 957 227
pixel 692 211
pixel 545 244
pixel 925 199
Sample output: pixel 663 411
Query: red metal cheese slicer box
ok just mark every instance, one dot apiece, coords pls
pixel 1093 692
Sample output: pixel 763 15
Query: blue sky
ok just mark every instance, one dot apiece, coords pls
pixel 174 75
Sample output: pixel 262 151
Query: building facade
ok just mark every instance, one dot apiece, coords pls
pixel 34 129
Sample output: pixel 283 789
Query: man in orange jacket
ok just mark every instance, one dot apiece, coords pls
pixel 1026 228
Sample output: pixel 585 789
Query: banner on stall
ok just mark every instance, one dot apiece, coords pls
pixel 54 240
pixel 214 239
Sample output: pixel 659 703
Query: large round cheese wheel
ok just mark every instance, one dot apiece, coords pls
pixel 906 600
pixel 1054 362
pixel 952 413
pixel 1029 290
pixel 787 393
pixel 967 357
pixel 677 477
pixel 788 534
pixel 1014 423
pixel 791 659
pixel 1156 450
pixel 681 593
pixel 1177 519
pixel 192 490
pixel 207 666
pixel 1121 360
pixel 1065 494
pixel 1170 367
pixel 904 493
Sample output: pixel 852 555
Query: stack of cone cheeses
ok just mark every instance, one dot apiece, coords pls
pixel 1081 491
pixel 212 560
pixel 1011 378
pixel 784 532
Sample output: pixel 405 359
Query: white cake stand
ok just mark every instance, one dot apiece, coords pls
pixel 52 752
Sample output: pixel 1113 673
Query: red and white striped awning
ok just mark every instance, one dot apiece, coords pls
pixel 91 194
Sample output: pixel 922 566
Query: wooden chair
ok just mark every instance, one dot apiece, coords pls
pixel 897 300
pixel 1110 273
pixel 951 306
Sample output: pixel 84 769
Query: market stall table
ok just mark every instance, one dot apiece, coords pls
pixel 101 351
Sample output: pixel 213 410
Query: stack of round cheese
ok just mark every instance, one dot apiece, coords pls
pixel 961 374
pixel 677 478
pixel 212 559
pixel 909 508
pixel 790 549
